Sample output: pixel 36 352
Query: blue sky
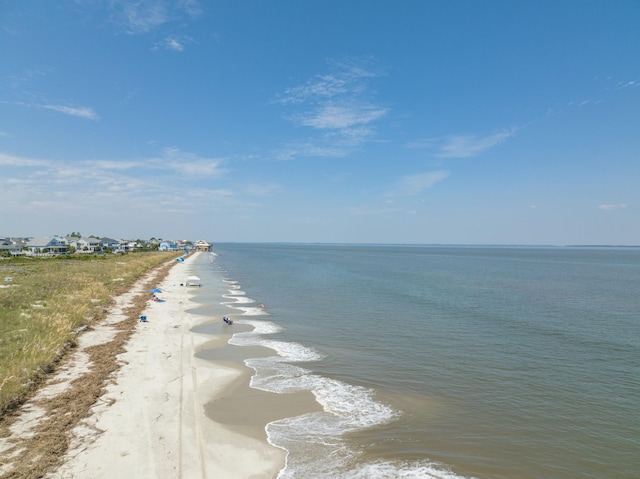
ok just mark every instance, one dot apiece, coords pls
pixel 465 122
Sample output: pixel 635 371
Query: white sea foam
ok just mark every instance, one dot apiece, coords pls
pixel 253 338
pixel 316 449
pixel 405 470
pixel 292 352
pixel 252 311
pixel 235 292
pixel 238 298
pixel 315 442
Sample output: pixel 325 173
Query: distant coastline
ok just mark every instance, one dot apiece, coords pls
pixel 434 245
pixel 601 246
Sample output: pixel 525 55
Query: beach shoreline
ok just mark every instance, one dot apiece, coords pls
pixel 151 420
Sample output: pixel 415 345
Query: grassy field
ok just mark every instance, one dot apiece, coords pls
pixel 45 302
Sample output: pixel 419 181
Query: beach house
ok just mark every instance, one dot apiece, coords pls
pixel 47 246
pixel 202 245
pixel 85 245
pixel 10 246
pixel 110 245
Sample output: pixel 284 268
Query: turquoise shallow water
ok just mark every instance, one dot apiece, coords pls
pixel 484 362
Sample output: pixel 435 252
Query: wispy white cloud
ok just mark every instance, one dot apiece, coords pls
pixel 322 87
pixel 341 116
pixel 463 146
pixel 190 164
pixel 172 43
pixel 168 181
pixel 19 162
pixel 191 7
pixel 172 161
pixel 467 146
pixel 311 148
pixel 411 185
pixel 337 106
pixel 627 84
pixel 175 43
pixel 80 112
pixel 144 16
pixel 112 165
pixel 607 207
pixel 171 164
pixel 347 79
pixel 595 98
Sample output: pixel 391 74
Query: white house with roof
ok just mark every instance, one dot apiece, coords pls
pixel 10 246
pixel 47 246
pixel 113 244
pixel 85 245
pixel 128 245
pixel 202 245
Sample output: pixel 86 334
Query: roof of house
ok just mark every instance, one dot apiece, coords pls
pixel 110 240
pixel 45 242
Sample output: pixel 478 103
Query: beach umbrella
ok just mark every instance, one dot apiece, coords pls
pixel 155 290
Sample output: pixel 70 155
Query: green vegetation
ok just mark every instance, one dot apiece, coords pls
pixel 44 302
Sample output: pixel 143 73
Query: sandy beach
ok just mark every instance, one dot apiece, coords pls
pixel 167 412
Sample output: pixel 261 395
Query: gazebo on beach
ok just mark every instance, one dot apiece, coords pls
pixel 202 245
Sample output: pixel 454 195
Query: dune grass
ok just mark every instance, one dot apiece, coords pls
pixel 45 302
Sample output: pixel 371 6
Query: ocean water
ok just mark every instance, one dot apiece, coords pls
pixel 445 362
